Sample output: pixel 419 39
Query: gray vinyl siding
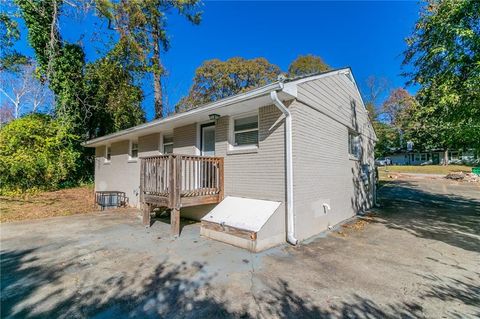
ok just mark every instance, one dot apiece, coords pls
pixel 334 96
pixel 149 145
pixel 259 174
pixel 323 170
pixel 185 139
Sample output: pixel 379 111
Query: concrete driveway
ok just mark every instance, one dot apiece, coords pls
pixel 418 257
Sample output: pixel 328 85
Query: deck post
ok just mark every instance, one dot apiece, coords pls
pixel 171 181
pixel 147 209
pixel 142 180
pixel 175 221
pixel 221 183
pixel 176 190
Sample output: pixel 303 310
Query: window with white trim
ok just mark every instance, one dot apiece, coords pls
pixel 108 153
pixel 133 150
pixel 354 145
pixel 245 131
pixel 167 144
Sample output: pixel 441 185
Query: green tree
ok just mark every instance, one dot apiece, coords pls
pixel 142 28
pixel 216 79
pixel 307 64
pixel 430 130
pixel 90 99
pixel 37 152
pixel 444 53
pixel 398 107
pixel 41 18
pixel 10 59
pixel 387 139
pixel 9 32
pixel 67 82
pixel 395 119
pixel 113 97
pixel 60 63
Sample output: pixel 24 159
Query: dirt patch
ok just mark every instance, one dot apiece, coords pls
pixel 463 177
pixel 409 176
pixel 47 204
pixel 357 225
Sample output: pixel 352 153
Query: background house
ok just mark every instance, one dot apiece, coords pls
pixel 435 157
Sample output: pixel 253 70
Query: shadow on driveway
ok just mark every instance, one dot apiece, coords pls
pixel 433 211
pixel 166 292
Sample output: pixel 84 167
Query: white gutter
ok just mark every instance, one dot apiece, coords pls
pixel 289 167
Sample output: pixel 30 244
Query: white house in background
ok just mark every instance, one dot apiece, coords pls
pixel 282 162
pixel 433 157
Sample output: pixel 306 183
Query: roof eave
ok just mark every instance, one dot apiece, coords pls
pixel 208 107
pixel 289 87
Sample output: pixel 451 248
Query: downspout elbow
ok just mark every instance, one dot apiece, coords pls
pixel 291 239
pixel 289 168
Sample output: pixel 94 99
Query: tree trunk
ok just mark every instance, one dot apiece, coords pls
pixel 445 157
pixel 157 88
pixel 157 74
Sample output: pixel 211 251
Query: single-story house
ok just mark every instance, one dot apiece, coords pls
pixel 282 162
pixel 433 157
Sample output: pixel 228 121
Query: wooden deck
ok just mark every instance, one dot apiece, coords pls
pixel 175 181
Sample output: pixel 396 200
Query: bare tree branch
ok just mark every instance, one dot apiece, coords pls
pixel 25 93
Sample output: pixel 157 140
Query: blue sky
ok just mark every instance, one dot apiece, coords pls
pixel 367 36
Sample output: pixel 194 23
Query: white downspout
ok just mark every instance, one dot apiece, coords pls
pixel 289 167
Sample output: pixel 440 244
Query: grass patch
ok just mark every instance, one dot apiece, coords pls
pixel 427 169
pixel 47 204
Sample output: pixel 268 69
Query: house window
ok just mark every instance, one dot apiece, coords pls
pixel 108 153
pixel 453 156
pixel 167 145
pixel 354 145
pixel 245 131
pixel 423 157
pixel 133 150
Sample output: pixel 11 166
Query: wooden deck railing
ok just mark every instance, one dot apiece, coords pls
pixel 176 181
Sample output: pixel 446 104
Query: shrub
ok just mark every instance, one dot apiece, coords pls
pixel 471 162
pixel 37 152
